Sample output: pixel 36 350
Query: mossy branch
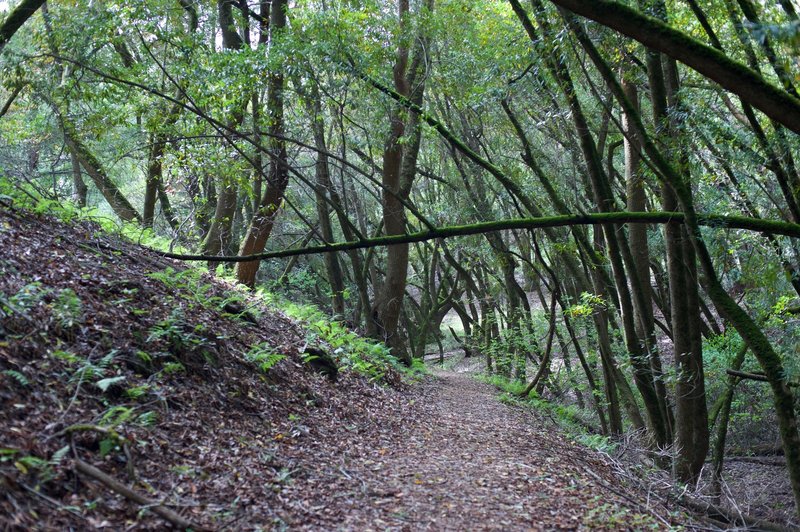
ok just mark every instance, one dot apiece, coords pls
pixel 708 220
pixel 18 16
pixel 710 62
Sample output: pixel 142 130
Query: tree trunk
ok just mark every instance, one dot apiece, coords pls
pixel 16 18
pixel 399 171
pixel 113 195
pixel 723 417
pixel 639 348
pixel 278 178
pixel 152 180
pixel 218 238
pixel 78 186
pixel 751 333
pixel 691 438
pixel 322 191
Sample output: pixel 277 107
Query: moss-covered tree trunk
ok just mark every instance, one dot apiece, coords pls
pixel 639 348
pixel 110 191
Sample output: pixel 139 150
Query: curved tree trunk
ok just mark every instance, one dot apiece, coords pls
pixel 768 358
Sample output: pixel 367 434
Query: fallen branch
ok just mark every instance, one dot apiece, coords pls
pixel 87 427
pixel 755 450
pixel 52 501
pixel 760 460
pixel 745 375
pixel 162 511
pixel 732 518
pixel 621 492
pixel 668 494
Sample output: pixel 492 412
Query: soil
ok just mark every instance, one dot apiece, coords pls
pixel 229 446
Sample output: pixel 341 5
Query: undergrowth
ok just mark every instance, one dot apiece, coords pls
pixel 351 351
pixel 567 417
pixel 68 212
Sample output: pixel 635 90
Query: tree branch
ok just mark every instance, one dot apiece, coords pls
pixel 708 220
pixel 710 62
pixel 162 511
pixel 16 19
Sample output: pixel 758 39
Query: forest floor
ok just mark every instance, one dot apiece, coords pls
pixel 464 460
pixel 107 362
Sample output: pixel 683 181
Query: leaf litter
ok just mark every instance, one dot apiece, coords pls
pixel 199 429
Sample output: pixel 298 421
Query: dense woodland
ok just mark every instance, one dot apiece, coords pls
pixel 600 200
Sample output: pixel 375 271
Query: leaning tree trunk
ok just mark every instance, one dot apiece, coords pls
pixel 16 18
pixel 768 358
pixel 113 195
pixel 654 400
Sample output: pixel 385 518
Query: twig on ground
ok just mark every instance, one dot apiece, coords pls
pixel 667 492
pixel 165 513
pixel 51 501
pixel 625 496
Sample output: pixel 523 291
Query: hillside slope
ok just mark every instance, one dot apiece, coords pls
pixel 110 358
pixel 95 333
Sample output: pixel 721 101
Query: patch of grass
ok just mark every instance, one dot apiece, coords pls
pixel 510 386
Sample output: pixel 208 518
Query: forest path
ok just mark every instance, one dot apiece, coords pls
pixel 462 460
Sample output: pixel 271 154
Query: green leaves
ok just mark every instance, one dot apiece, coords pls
pixel 105 384
pixel 264 356
pixel 21 379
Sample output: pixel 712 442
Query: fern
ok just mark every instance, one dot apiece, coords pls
pixel 264 356
pixel 17 376
pixel 59 455
pixel 115 416
pixel 148 419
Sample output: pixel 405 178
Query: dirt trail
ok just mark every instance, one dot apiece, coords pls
pixel 466 461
